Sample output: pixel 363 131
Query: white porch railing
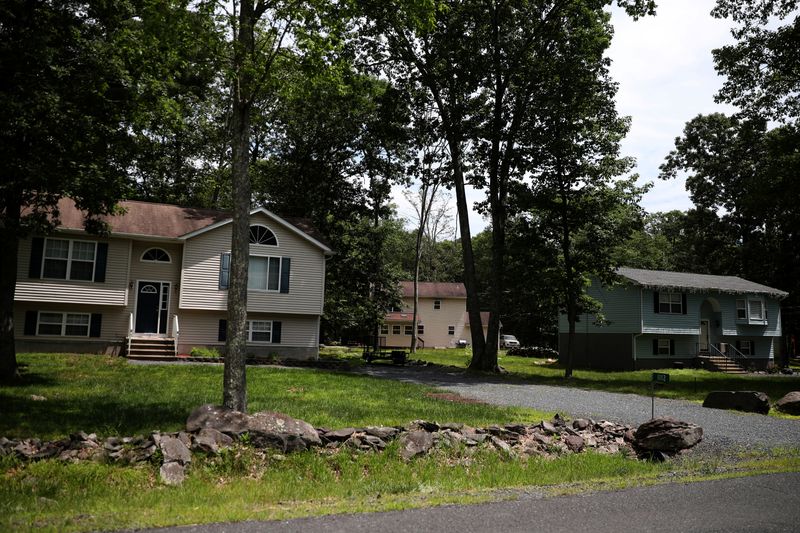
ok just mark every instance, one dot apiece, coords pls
pixel 130 332
pixel 176 331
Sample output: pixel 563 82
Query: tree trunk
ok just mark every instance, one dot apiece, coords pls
pixel 571 296
pixel 9 243
pixel 235 374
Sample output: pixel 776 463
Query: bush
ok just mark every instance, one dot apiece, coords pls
pixel 532 351
pixel 204 351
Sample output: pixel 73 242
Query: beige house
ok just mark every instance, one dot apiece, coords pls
pixel 442 320
pixel 159 283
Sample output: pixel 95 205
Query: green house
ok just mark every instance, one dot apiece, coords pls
pixel 658 319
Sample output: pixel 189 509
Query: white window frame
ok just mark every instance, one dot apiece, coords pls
pixel 266 228
pixel 69 259
pixel 420 329
pixel 761 307
pixel 143 260
pixel 437 304
pixel 662 346
pixel 250 331
pixel 408 329
pixel 451 330
pixel 668 299
pixel 384 329
pixel 396 329
pixel 741 305
pixel 280 269
pixel 748 305
pixel 64 315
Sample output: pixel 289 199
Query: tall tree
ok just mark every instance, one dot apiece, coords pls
pixel 69 95
pixel 482 64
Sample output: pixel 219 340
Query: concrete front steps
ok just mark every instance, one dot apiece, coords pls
pixel 723 364
pixel 151 348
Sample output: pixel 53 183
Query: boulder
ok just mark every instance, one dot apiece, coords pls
pixel 174 450
pixel 667 434
pixel 789 404
pixel 269 429
pixel 172 473
pixel 415 443
pixel 748 401
pixel 574 443
pixel 382 432
pixel 218 417
pixel 210 440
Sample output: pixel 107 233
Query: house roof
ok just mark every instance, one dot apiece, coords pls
pixel 150 219
pixel 401 316
pixel 429 289
pixel 660 279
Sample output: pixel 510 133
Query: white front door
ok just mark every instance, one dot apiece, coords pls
pixel 704 341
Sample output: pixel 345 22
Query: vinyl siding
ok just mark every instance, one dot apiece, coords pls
pixel 732 327
pixel 435 322
pixel 200 328
pixel 114 325
pixel 621 309
pixel 111 292
pixel 200 278
pixel 685 346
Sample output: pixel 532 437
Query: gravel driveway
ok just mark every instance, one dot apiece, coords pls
pixel 720 427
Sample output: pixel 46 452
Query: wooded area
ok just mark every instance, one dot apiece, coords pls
pixel 318 108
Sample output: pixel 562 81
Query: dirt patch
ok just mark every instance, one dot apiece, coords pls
pixel 451 397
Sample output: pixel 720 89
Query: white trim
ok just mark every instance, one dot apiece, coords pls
pixel 143 260
pixel 280 272
pixel 263 211
pixel 670 303
pixel 274 236
pixel 250 331
pixel 158 320
pixel 69 259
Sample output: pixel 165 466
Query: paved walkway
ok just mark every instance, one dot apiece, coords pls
pixel 719 427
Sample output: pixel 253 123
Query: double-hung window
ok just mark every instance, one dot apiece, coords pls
pixel 437 304
pixel 396 329
pixel 68 259
pixel 384 329
pixel 670 302
pixel 663 347
pixel 420 329
pixel 63 324
pixel 408 329
pixel 751 310
pixel 746 347
pixel 741 309
pixel 259 331
pixel 264 273
pixel 451 330
pixel 756 310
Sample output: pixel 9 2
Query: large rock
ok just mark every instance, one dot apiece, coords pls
pixel 268 429
pixel 174 450
pixel 210 440
pixel 217 417
pixel 415 443
pixel 748 401
pixel 667 434
pixel 789 404
pixel 172 473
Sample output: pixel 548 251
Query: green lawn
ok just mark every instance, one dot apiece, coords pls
pixel 688 384
pixel 110 396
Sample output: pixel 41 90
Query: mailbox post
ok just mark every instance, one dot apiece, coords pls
pixel 659 378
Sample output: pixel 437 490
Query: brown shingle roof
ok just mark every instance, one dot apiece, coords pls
pixel 428 289
pixel 660 279
pixel 163 220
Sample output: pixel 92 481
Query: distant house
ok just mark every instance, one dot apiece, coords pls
pixel 159 283
pixel 655 318
pixel 442 319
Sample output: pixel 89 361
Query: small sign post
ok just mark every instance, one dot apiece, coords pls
pixel 659 378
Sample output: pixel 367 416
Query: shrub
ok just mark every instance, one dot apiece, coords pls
pixel 532 351
pixel 204 351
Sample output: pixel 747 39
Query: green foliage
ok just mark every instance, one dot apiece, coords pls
pixel 204 351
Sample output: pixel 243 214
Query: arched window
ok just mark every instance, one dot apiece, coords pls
pixel 148 289
pixel 262 235
pixel 156 255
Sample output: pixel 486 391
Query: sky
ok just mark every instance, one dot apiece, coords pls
pixel 666 77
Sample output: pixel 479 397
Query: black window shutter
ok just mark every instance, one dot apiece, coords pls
pixel 738 345
pixel 286 267
pixel 222 332
pixel 752 347
pixel 101 262
pixel 224 270
pixel 37 250
pixel 30 322
pixel 655 346
pixel 655 302
pixel 683 302
pixel 672 346
pixel 276 332
pixel 95 324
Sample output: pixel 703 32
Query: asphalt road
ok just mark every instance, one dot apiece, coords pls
pixel 720 427
pixel 761 504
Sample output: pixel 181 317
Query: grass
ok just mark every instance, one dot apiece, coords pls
pixel 686 384
pixel 111 397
